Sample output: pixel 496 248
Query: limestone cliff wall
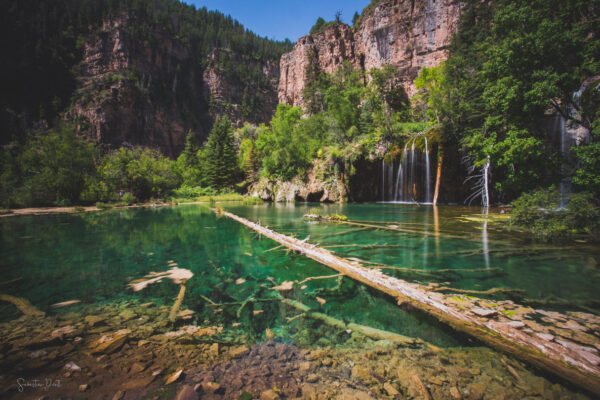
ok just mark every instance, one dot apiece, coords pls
pixel 408 34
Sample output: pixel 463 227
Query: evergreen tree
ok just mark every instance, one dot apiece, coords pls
pixel 221 165
pixel 355 18
pixel 188 163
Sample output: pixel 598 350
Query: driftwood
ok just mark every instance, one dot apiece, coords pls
pixel 313 278
pixel 375 334
pixel 578 364
pixel 488 292
pixel 22 305
pixel 177 304
pixel 178 275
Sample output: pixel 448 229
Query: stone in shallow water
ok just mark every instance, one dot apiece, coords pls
pixel 269 395
pixel 71 366
pixel 186 393
pixel 390 389
pixel 108 344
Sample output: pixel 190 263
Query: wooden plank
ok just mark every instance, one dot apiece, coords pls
pixel 566 359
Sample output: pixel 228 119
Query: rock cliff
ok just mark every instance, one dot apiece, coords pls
pixel 408 34
pixel 135 93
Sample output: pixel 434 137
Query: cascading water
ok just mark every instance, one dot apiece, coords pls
pixel 408 183
pixel 428 198
pixel 383 179
pixel 565 187
pixel 412 187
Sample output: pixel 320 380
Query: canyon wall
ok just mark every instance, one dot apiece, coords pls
pixel 408 34
pixel 134 92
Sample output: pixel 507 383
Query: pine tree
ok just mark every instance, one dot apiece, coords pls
pixel 221 165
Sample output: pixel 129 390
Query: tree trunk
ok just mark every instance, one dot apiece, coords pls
pixel 438 177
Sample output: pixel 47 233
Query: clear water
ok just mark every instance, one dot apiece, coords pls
pixel 91 257
pixel 450 237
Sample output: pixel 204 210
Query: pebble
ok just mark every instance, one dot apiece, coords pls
pixel 84 387
pixel 71 366
pixel 269 395
pixel 119 395
pixel 312 378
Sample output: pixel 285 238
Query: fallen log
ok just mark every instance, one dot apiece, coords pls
pixel 373 333
pixel 488 292
pixel 22 305
pixel 567 362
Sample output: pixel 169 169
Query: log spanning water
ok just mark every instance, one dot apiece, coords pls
pixel 563 344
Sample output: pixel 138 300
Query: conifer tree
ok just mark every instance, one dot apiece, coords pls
pixel 221 165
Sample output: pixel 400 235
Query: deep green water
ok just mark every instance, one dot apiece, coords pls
pixel 91 257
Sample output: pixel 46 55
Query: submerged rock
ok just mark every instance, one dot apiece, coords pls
pixel 108 344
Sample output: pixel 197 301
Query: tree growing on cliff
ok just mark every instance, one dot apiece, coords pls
pixel 220 155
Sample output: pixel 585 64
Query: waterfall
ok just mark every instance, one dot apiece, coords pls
pixel 486 193
pixel 383 179
pixel 398 183
pixel 427 175
pixel 564 149
pixel 391 180
pixel 412 182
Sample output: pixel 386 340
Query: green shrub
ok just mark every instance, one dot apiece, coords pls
pixel 191 192
pixel 104 206
pixel 78 209
pixel 338 217
pixel 539 213
pixel 128 198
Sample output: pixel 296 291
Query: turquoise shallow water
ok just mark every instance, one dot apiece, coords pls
pixel 449 238
pixel 91 257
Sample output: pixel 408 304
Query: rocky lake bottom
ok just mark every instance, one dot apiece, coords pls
pixel 130 350
pixel 234 337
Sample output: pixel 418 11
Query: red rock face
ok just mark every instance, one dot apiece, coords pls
pixel 132 93
pixel 408 34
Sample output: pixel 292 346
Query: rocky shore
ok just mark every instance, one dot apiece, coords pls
pixel 129 350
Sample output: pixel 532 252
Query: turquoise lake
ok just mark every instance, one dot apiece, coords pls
pixel 92 257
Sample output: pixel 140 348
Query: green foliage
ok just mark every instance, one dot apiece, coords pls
pixel 128 198
pixel 431 85
pixel 538 212
pixel 286 147
pixel 510 62
pixel 355 18
pixel 51 38
pixel 143 173
pixel 321 25
pixel 587 173
pixel 189 163
pixel 249 160
pixel 220 155
pixel 50 169
pixel 192 192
